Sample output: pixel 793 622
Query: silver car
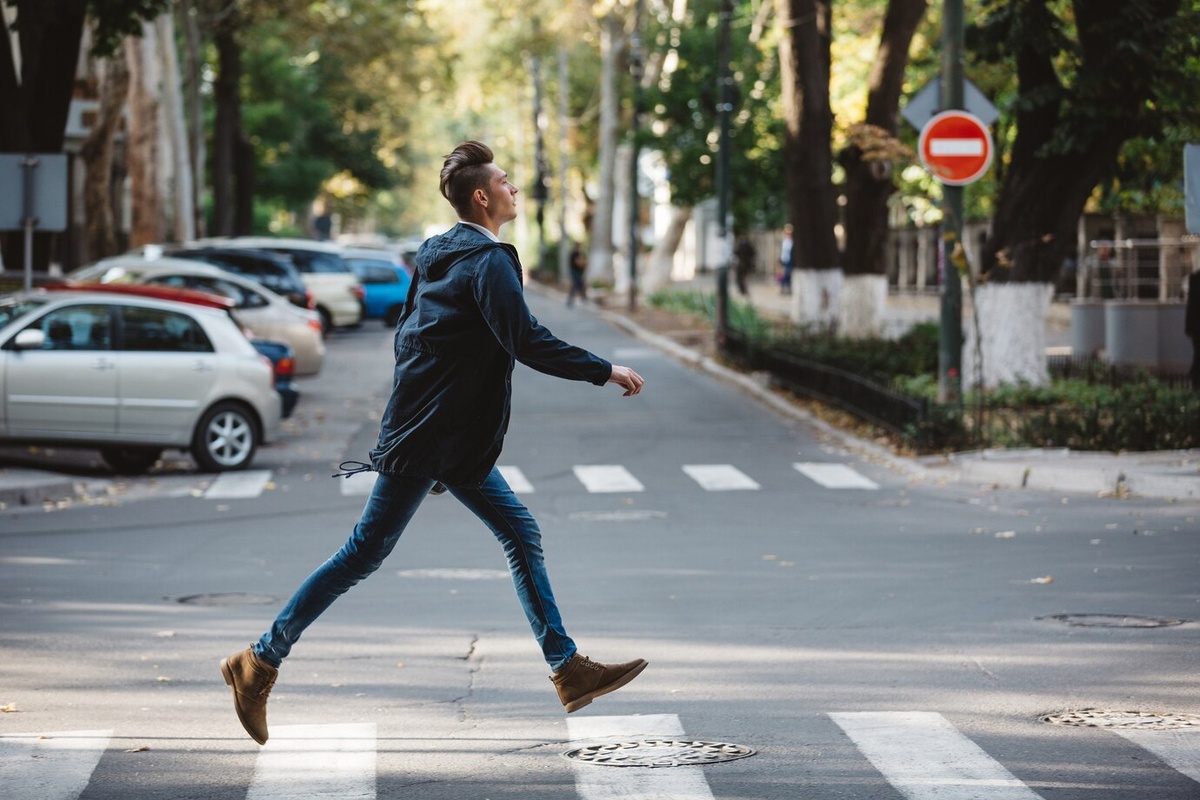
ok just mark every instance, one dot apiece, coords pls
pixel 266 314
pixel 133 375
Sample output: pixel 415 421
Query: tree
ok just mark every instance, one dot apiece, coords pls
pixel 36 101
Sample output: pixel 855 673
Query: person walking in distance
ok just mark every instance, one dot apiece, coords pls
pixel 1191 324
pixel 464 325
pixel 578 268
pixel 785 261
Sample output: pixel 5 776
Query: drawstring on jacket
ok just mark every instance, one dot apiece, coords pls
pixel 358 467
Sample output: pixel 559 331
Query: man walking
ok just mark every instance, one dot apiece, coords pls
pixel 464 325
pixel 1191 324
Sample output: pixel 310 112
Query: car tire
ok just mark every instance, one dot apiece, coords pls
pixel 226 438
pixel 130 460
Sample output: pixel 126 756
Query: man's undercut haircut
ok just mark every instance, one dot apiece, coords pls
pixel 463 172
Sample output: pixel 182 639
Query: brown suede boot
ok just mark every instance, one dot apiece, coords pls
pixel 582 680
pixel 251 679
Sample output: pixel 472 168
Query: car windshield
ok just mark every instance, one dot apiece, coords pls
pixel 13 307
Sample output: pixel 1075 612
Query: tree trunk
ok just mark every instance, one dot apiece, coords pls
pixel 600 251
pixel 143 149
pixel 99 199
pixel 194 103
pixel 227 129
pixel 183 220
pixel 808 163
pixel 869 181
pixel 662 257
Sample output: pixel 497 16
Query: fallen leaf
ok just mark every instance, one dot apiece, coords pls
pixel 1047 579
pixel 1005 534
pixel 141 749
pixel 8 709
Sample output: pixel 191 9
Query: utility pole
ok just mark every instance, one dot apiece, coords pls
pixel 724 109
pixel 636 67
pixel 950 340
pixel 541 191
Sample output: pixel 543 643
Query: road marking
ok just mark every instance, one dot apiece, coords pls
pixel 605 478
pixel 359 484
pixel 516 480
pixel 925 758
pixel 835 476
pixel 593 782
pixel 316 761
pixel 49 766
pixel 720 477
pixel 228 485
pixel 1179 749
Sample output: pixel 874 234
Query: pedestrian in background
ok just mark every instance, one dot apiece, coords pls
pixel 578 267
pixel 744 253
pixel 785 261
pixel 464 325
pixel 1191 324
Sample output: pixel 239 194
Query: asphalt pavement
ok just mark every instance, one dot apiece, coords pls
pixel 1169 475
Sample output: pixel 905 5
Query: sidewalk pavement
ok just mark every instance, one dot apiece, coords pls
pixel 1170 475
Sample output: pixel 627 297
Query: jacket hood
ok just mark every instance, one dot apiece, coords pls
pixel 439 253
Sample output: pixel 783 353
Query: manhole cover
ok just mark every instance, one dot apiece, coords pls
pixel 659 753
pixel 630 515
pixel 226 599
pixel 448 574
pixel 1138 720
pixel 1113 621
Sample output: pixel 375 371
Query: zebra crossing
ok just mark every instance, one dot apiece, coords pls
pixel 920 754
pixel 618 479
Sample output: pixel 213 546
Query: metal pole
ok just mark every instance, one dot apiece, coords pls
pixel 950 340
pixel 28 220
pixel 635 66
pixel 724 108
pixel 564 247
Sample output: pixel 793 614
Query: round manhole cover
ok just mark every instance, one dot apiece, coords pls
pixel 1113 621
pixel 226 599
pixel 659 753
pixel 448 574
pixel 1137 720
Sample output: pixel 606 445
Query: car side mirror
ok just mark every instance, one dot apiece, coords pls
pixel 30 339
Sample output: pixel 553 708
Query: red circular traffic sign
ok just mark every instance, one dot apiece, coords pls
pixel 956 147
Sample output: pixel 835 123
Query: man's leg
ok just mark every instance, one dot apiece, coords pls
pixel 251 673
pixel 578 679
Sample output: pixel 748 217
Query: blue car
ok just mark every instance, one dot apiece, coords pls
pixel 385 282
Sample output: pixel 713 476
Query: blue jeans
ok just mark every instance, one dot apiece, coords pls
pixel 392 503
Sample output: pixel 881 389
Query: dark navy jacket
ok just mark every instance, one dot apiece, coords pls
pixel 465 325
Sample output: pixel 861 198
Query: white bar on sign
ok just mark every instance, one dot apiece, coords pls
pixel 49 766
pixel 232 485
pixel 516 480
pixel 924 757
pixel 315 762
pixel 604 478
pixel 720 477
pixel 359 484
pixel 594 782
pixel 1179 749
pixel 955 147
pixel 835 476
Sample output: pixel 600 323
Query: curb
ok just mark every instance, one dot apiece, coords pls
pixel 31 488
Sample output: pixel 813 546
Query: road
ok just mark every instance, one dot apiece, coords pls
pixel 867 635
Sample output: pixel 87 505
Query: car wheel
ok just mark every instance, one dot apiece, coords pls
pixel 226 438
pixel 130 460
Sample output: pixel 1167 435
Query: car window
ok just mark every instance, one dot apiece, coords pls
pixel 82 327
pixel 373 271
pixel 157 330
pixel 311 261
pixel 13 307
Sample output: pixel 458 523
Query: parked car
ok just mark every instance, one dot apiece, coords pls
pixel 283 365
pixel 385 282
pixel 132 374
pixel 337 293
pixel 264 313
pixel 273 270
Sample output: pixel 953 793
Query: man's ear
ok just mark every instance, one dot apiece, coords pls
pixel 480 197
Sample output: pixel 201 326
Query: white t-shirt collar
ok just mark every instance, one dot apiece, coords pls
pixel 481 229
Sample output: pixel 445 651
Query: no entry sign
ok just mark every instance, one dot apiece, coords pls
pixel 956 147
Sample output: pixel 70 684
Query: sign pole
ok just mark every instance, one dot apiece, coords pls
pixel 950 340
pixel 28 220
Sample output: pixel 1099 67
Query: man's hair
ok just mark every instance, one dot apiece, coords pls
pixel 463 172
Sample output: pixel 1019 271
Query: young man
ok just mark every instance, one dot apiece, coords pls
pixel 464 325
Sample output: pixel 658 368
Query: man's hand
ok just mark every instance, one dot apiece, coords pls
pixel 627 379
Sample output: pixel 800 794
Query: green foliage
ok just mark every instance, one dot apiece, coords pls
pixel 883 361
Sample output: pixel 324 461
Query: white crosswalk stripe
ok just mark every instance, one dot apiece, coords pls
pixel 720 477
pixel 925 758
pixel 358 485
pixel 234 485
pixel 835 476
pixel 607 478
pixel 49 766
pixel 516 479
pixel 594 782
pixel 1180 749
pixel 314 762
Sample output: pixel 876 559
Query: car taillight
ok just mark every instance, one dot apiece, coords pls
pixel 285 368
pixel 310 300
pixel 315 324
pixel 358 292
